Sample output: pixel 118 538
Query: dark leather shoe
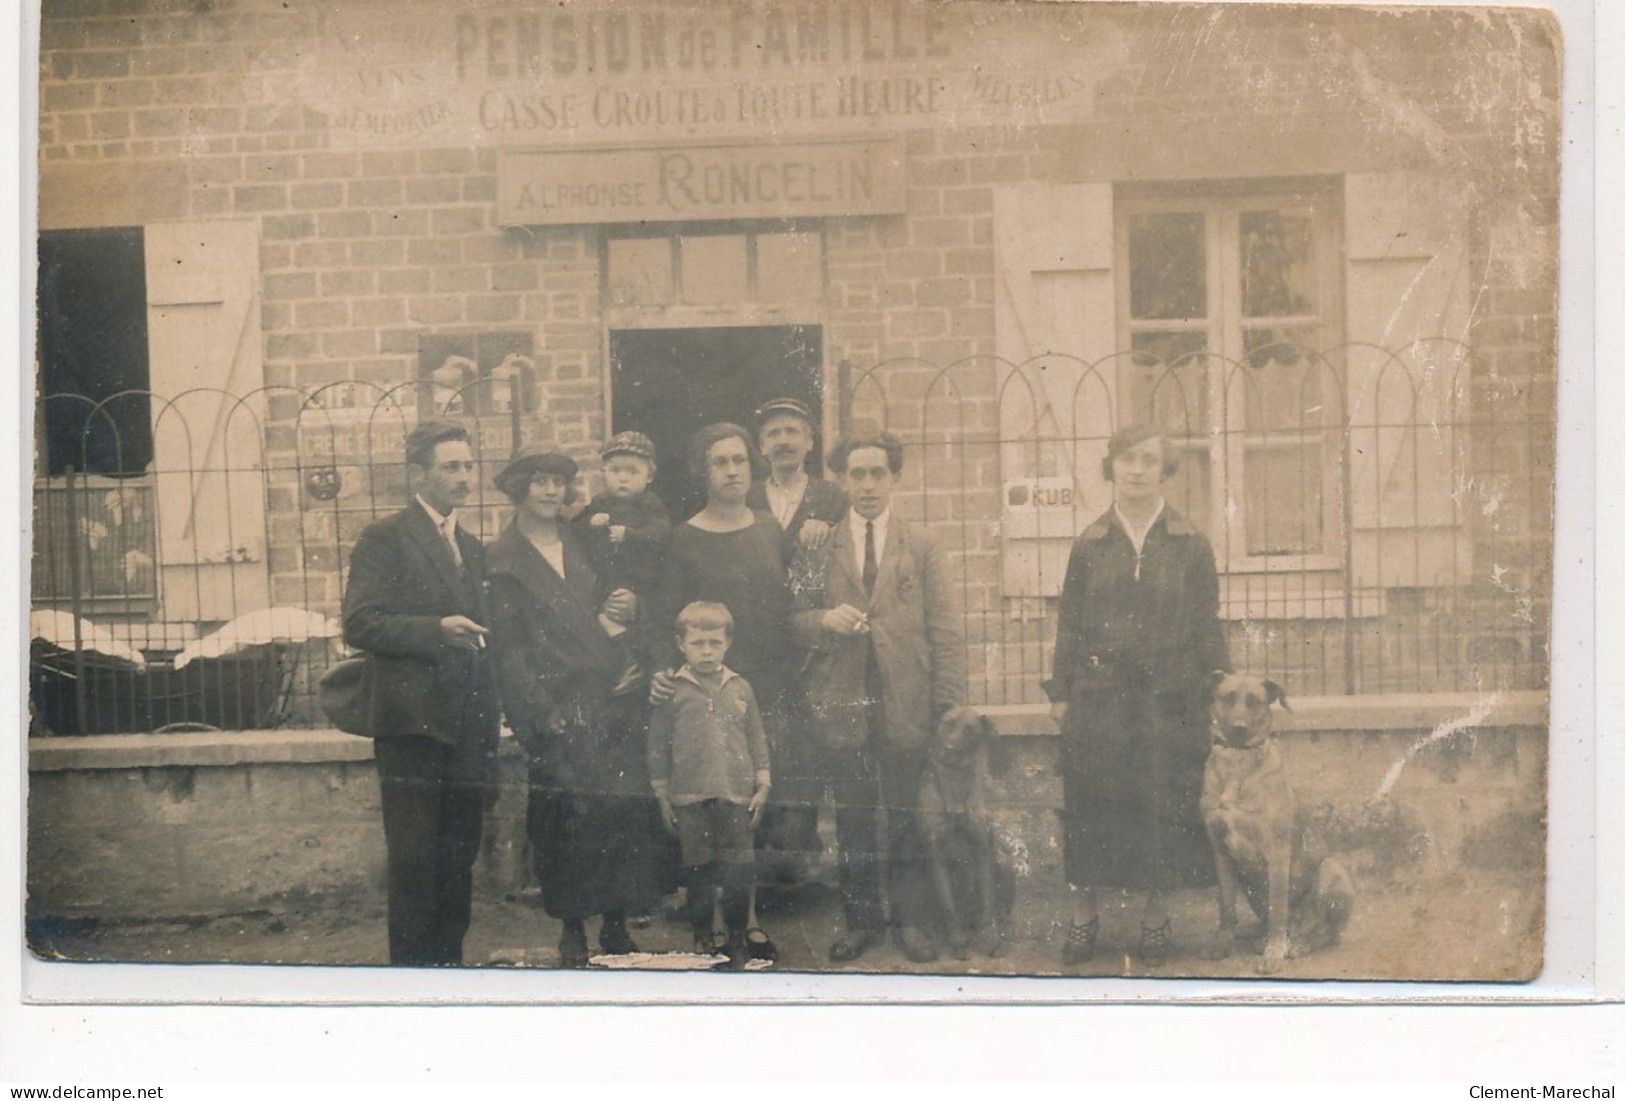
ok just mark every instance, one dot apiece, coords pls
pixel 736 951
pixel 916 945
pixel 853 945
pixel 615 940
pixel 573 946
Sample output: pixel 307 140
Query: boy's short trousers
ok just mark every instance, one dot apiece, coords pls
pixel 714 830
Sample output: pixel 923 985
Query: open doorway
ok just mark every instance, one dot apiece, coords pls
pixel 668 383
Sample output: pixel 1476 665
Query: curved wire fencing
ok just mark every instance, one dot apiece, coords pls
pixel 1381 518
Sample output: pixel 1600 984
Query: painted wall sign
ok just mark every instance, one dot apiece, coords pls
pixel 810 179
pixel 517 74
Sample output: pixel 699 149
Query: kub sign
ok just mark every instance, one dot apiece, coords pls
pixel 1040 521
pixel 1040 508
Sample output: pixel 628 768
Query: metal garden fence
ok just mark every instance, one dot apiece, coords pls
pixel 1381 518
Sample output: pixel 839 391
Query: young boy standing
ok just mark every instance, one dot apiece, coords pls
pixel 709 769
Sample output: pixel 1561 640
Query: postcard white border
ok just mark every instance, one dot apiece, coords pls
pixel 1392 1024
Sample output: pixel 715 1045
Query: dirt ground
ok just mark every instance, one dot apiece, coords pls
pixel 1484 928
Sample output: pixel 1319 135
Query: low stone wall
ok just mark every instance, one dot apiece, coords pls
pixel 141 826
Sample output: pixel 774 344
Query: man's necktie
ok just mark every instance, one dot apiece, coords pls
pixel 449 530
pixel 871 566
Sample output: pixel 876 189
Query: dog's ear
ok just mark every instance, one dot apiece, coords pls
pixel 1276 694
pixel 985 730
pixel 1211 682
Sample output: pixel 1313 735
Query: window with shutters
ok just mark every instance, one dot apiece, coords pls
pixel 151 383
pixel 1226 301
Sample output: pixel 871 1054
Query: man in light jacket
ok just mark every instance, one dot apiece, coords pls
pixel 878 611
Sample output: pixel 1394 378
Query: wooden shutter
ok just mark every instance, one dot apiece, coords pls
pixel 1055 327
pixel 1409 308
pixel 207 370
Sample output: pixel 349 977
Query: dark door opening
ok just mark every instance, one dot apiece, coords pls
pixel 668 383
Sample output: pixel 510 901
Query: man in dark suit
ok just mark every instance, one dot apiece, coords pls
pixel 877 609
pixel 414 603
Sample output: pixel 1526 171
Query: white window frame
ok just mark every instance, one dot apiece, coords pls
pixel 1221 205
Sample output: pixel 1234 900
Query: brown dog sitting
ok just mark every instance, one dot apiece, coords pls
pixel 1303 899
pixel 975 888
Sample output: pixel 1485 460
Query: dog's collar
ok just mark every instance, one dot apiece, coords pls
pixel 1222 744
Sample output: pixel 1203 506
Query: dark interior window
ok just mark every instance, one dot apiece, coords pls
pixel 93 351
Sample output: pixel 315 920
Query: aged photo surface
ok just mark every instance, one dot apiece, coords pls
pixel 921 486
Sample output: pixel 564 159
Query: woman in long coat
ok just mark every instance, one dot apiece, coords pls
pixel 1138 633
pixel 591 817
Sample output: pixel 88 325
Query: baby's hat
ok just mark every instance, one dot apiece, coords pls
pixel 629 443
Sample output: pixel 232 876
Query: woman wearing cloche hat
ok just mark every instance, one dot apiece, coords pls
pixel 592 820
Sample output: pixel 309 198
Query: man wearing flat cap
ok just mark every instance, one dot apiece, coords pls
pixel 414 604
pixel 807 508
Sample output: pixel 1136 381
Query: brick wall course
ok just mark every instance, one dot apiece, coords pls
pixel 106 125
pixel 324 164
pixel 350 283
pixel 433 253
pixel 258 198
pixel 400 223
pixel 405 281
pixel 148 123
pixel 290 285
pixel 79 96
pixel 468 278
pixel 457 220
pixel 345 223
pixel 350 343
pixel 437 310
pixel 321 314
pixel 433 190
pixel 373 193
pixel 378 313
pixel 493 309
pixel 289 227
pixel 480 189
pixel 376 253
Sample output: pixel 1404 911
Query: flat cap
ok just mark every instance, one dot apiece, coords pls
pixel 780 407
pixel 628 443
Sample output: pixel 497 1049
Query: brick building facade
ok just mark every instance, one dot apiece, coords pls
pixel 997 229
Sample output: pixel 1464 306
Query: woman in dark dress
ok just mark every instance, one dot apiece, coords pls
pixel 1138 633
pixel 591 817
pixel 735 556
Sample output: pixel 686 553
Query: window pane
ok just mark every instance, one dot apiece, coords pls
pixel 1167 266
pixel 640 271
pixel 1168 384
pixel 1277 264
pixel 117 540
pixel 1283 499
pixel 1282 381
pixel 714 271
pixel 789 267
